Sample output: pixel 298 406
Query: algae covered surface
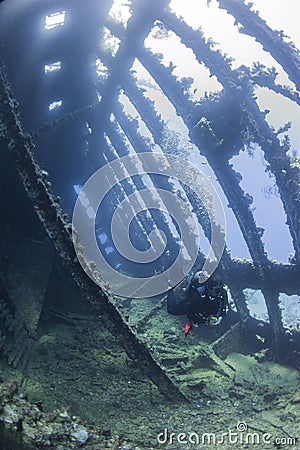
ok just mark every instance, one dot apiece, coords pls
pixel 85 384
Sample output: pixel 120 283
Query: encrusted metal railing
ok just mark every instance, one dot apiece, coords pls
pixel 21 149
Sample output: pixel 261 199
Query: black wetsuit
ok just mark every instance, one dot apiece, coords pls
pixel 199 303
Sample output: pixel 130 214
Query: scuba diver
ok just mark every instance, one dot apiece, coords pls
pixel 203 303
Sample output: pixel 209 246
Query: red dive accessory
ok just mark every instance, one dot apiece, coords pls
pixel 188 327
